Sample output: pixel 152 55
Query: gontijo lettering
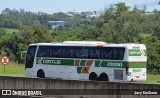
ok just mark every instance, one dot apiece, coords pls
pixel 51 61
pixel 135 52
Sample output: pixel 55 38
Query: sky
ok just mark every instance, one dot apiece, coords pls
pixel 53 6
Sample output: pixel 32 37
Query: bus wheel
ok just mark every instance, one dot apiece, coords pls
pixel 93 76
pixel 40 74
pixel 103 77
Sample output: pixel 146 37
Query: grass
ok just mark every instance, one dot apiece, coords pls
pixel 12 69
pixel 9 30
pixel 152 79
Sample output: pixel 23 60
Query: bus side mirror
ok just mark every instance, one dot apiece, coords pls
pixel 23 55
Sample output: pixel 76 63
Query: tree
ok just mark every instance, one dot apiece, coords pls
pixel 35 34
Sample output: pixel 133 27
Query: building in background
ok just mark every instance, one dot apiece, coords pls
pixel 87 14
pixel 56 23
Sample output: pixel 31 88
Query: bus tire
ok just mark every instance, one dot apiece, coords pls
pixel 103 77
pixel 93 76
pixel 40 74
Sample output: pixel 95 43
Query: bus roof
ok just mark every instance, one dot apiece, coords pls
pixel 90 43
pixel 84 42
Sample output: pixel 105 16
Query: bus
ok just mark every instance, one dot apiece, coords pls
pixel 87 60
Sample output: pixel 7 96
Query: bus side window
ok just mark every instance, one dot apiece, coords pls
pixel 121 53
pixel 57 51
pixel 43 51
pixel 52 51
pixel 40 52
pixel 118 53
pixel 94 53
pixel 98 52
pixel 69 52
pixel 91 53
pixel 77 52
pixel 115 54
pixel 30 56
pixel 107 53
pixel 84 52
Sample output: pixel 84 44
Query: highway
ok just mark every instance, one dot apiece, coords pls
pixel 47 88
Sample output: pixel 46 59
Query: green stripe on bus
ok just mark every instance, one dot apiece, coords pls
pixel 79 69
pixel 52 61
pixel 137 64
pixel 98 63
pixel 82 62
pixel 119 64
pixel 113 64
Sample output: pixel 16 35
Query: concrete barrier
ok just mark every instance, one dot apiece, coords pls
pixel 80 89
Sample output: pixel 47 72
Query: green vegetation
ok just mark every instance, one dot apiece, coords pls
pixel 151 79
pixel 118 24
pixel 10 30
pixel 13 69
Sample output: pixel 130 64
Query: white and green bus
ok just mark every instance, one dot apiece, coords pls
pixel 87 60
